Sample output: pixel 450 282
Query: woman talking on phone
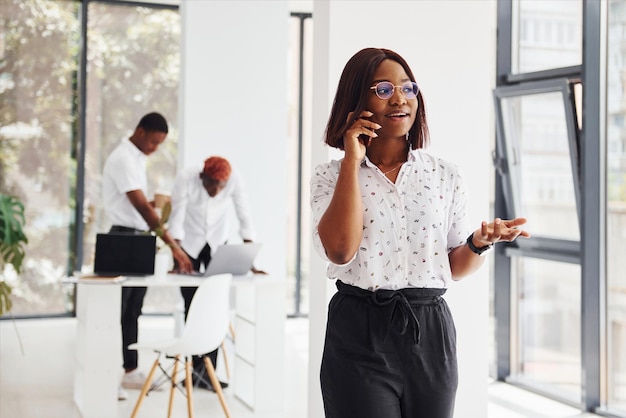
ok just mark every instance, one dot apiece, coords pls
pixel 392 222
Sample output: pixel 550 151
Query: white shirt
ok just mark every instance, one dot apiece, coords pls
pixel 198 219
pixel 124 171
pixel 409 227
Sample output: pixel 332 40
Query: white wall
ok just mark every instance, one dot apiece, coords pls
pixel 450 46
pixel 233 104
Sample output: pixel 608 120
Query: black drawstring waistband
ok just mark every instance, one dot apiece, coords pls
pixel 397 304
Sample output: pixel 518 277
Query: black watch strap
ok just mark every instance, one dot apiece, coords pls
pixel 475 249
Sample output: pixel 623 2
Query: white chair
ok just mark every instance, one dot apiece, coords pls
pixel 179 325
pixel 206 327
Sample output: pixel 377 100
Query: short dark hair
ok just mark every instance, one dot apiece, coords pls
pixel 153 122
pixel 352 93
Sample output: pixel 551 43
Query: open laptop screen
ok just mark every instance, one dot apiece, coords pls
pixel 236 259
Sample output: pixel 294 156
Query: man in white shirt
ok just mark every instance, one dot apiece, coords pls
pixel 201 205
pixel 124 186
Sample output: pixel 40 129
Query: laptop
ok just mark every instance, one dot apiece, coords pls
pixel 236 259
pixel 124 254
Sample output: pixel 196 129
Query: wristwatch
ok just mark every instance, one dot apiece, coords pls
pixel 475 249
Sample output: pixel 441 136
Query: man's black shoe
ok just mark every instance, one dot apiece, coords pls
pixel 204 383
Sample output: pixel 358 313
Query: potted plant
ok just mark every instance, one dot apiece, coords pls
pixel 12 242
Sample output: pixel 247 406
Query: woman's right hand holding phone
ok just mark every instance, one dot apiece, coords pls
pixel 358 128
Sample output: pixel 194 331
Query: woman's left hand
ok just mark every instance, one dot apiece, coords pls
pixel 499 230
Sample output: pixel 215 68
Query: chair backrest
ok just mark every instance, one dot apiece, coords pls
pixel 208 317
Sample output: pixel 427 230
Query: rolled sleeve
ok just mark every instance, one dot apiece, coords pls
pixel 459 221
pixel 323 185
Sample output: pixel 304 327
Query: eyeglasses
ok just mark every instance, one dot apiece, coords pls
pixel 384 90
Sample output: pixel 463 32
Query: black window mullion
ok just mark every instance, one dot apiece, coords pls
pixel 81 93
pixel 564 72
pixel 593 282
pixel 502 263
pixel 573 134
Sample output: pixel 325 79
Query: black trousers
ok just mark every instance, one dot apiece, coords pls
pixel 204 258
pixel 389 354
pixel 132 303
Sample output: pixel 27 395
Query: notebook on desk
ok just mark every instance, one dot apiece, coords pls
pixel 236 259
pixel 125 254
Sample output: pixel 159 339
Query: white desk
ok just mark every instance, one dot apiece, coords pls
pixel 259 345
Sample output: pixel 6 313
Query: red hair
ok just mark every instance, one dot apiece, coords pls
pixel 217 168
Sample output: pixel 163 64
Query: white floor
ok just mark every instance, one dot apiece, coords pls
pixel 36 377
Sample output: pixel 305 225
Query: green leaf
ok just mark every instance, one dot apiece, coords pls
pixel 165 213
pixel 12 237
pixel 5 298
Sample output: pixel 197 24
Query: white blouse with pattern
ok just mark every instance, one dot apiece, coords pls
pixel 409 227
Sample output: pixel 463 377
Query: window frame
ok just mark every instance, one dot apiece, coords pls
pixel 591 249
pixel 505 148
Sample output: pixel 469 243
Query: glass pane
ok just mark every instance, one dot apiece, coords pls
pixel 133 68
pixel 549 35
pixel 38 43
pixel 538 152
pixel 616 206
pixel 549 325
pixel 294 305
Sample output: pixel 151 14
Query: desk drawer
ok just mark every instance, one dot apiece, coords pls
pixel 245 382
pixel 245 301
pixel 245 344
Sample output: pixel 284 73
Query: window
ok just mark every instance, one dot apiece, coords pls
pixel 559 305
pixel 538 161
pixel 301 55
pixel 550 34
pixel 548 298
pixel 46 157
pixel 38 137
pixel 541 153
pixel 133 67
